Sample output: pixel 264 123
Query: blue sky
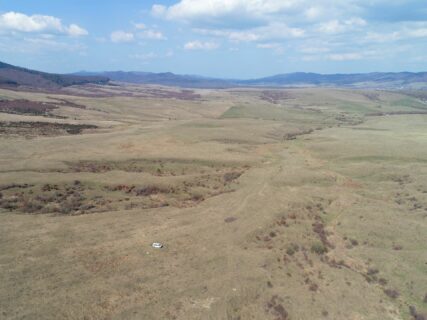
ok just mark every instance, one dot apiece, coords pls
pixel 220 38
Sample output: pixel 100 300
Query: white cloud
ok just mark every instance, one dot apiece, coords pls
pixel 314 50
pixel 405 32
pixel 243 36
pixel 76 31
pixel 268 45
pixel 200 45
pixel 158 10
pixel 356 22
pixel 190 10
pixel 345 56
pixel 333 26
pixel 15 21
pixel 140 26
pixel 336 26
pixel 382 37
pixel 274 31
pixel 19 22
pixel 417 33
pixel 276 47
pixel 152 34
pixel 152 55
pixel 121 36
pixel 144 56
pixel 36 44
pixel 313 13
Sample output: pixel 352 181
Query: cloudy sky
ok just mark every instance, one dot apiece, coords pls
pixel 220 38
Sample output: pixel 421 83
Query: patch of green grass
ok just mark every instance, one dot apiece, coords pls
pixel 409 103
pixel 355 108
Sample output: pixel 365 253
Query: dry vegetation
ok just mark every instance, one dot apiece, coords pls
pixel 271 204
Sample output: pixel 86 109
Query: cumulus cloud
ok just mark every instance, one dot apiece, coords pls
pixel 76 31
pixel 144 32
pixel 321 29
pixel 19 22
pixel 215 10
pixel 200 45
pixel 121 36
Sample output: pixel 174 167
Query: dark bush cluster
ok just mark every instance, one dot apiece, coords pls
pixel 231 176
pixel 319 248
pixel 275 307
pixel 415 315
pixel 394 294
pixel 292 248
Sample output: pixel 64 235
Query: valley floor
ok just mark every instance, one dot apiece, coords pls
pixel 271 204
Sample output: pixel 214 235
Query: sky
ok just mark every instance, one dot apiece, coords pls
pixel 217 38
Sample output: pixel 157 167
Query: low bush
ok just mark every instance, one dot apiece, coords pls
pixel 319 248
pixel 292 248
pixel 391 293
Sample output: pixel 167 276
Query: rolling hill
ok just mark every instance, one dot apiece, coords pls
pixel 12 76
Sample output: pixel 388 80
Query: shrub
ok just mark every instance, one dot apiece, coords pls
pixel 197 197
pixel 147 191
pixel 415 315
pixel 292 248
pixel 319 248
pixel 230 219
pixel 231 176
pixel 313 287
pixel 32 206
pixel 392 293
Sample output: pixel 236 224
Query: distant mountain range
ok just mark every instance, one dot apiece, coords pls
pixel 167 79
pixel 12 76
pixel 399 80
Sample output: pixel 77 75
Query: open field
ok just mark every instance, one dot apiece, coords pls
pixel 271 204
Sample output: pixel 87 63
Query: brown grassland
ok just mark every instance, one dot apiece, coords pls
pixel 271 204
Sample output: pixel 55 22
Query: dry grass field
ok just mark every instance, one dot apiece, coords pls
pixel 271 204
